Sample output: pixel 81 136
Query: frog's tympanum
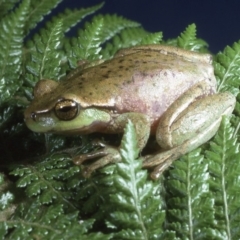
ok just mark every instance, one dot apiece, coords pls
pixel 165 91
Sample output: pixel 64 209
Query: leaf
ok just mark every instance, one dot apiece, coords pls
pixel 71 17
pixel 96 33
pixel 51 222
pixel 6 197
pixel 6 5
pixel 44 179
pixel 6 114
pixel 189 203
pixel 113 24
pixel 224 167
pixel 127 38
pixel 187 40
pixel 45 55
pixel 87 46
pixel 226 67
pixel 152 38
pixel 12 34
pixel 38 9
pixel 137 212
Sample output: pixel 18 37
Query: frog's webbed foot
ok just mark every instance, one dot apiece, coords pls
pixel 106 155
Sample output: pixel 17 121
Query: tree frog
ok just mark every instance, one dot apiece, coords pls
pixel 165 91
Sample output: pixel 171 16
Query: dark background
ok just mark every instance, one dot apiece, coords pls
pixel 218 21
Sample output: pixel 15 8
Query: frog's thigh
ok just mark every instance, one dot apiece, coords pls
pixel 174 129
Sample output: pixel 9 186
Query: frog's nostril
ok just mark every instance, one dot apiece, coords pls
pixel 33 116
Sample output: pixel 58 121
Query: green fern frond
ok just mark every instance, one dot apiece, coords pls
pixel 227 71
pixel 44 55
pixel 38 9
pixel 113 24
pixel 12 34
pixel 96 190
pixel 237 107
pixel 189 204
pixel 89 43
pixel 51 222
pixel 187 40
pixel 6 198
pixel 5 115
pixel 223 158
pixel 6 5
pixel 137 210
pixel 7 208
pixel 44 179
pixel 152 38
pixel 71 17
pixel 127 38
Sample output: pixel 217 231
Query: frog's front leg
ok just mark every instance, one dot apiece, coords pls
pixel 188 124
pixel 109 154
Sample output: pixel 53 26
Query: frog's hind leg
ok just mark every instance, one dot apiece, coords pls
pixel 181 131
pixel 163 160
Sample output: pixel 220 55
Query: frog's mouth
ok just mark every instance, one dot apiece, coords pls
pixel 97 126
pixel 87 121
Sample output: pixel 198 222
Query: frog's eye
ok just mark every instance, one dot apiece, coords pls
pixel 66 109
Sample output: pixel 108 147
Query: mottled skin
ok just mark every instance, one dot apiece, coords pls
pixel 163 90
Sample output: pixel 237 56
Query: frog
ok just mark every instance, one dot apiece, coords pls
pixel 166 92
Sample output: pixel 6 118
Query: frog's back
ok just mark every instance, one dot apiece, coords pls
pixel 145 81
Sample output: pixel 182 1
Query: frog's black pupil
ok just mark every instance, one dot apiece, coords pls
pixel 65 109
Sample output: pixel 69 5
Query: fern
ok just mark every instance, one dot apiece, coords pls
pixel 90 40
pixel 6 5
pixel 12 34
pixel 128 38
pixel 6 198
pixel 189 204
pixel 136 201
pixel 227 71
pixel 152 38
pixel 223 158
pixel 113 24
pixel 37 10
pixel 33 220
pixel 45 55
pixel 71 17
pixel 188 40
pixel 44 179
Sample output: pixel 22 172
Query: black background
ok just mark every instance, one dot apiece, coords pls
pixel 218 22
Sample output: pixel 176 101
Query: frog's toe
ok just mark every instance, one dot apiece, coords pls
pixel 107 155
pixel 78 160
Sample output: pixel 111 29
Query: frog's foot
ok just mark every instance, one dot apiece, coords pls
pixel 107 155
pixel 79 159
pixel 162 161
